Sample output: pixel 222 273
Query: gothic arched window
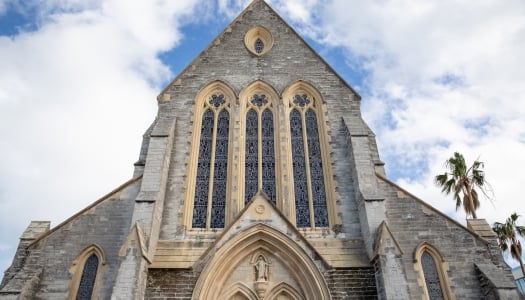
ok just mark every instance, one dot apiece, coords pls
pixel 87 273
pixel 433 270
pixel 209 202
pixel 311 191
pixel 260 148
pixel 87 281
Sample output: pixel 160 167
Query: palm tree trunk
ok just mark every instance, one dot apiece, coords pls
pixel 522 268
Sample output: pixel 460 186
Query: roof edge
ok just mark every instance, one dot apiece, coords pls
pixel 382 177
pixel 90 206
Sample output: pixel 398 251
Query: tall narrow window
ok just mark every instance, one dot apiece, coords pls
pixel 87 272
pixel 431 277
pixel 212 166
pixel 87 281
pixel 259 148
pixel 309 186
pixel 432 271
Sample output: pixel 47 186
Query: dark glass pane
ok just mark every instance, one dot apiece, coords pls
pixel 301 100
pixel 220 176
pixel 200 202
pixel 302 208
pixel 259 100
pixel 431 276
pixel 259 46
pixel 87 281
pixel 268 156
pixel 251 159
pixel 316 170
pixel 217 100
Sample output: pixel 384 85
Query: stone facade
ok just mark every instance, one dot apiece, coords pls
pixel 374 241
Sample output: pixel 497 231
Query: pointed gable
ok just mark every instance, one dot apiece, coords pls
pixel 286 56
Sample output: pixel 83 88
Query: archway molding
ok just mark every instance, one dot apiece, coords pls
pixel 284 288
pixel 238 288
pixel 223 260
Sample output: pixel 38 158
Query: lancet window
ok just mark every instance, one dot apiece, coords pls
pixel 87 281
pixel 433 271
pixel 279 148
pixel 87 272
pixel 309 185
pixel 209 203
pixel 259 148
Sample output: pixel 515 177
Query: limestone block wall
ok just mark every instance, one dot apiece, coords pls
pixel 105 224
pixel 350 283
pixel 413 222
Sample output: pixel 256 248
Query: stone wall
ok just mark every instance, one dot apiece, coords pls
pixel 413 222
pixel 170 284
pixel 105 224
pixel 352 283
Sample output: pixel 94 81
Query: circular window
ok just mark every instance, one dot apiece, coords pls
pixel 258 40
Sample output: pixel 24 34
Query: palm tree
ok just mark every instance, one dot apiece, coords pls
pixel 462 182
pixel 508 234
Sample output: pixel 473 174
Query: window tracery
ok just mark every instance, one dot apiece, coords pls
pixel 213 191
pixel 209 203
pixel 259 148
pixel 309 183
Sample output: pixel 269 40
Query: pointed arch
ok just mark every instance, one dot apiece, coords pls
pixel 432 272
pixel 313 191
pixel 87 270
pixel 238 288
pixel 222 262
pixel 209 171
pixel 259 124
pixel 286 289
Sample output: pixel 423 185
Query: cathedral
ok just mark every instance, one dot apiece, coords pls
pixel 258 179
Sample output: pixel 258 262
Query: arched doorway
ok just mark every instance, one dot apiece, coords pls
pixel 260 262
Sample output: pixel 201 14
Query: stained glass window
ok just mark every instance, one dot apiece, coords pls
pixel 251 180
pixel 302 206
pixel 259 46
pixel 316 170
pixel 259 149
pixel 220 177
pixel 309 185
pixel 431 276
pixel 87 281
pixel 213 155
pixel 268 156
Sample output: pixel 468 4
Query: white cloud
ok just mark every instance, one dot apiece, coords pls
pixel 442 76
pixel 445 76
pixel 76 95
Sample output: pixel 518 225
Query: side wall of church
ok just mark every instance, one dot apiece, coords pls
pixel 411 223
pixel 106 225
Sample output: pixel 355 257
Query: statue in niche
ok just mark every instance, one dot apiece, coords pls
pixel 261 269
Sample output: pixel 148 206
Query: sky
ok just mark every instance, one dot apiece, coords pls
pixel 79 80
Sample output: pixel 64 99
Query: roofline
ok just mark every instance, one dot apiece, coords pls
pixel 97 202
pixel 382 177
pixel 240 17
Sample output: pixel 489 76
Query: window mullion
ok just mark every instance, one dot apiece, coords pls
pixel 212 169
pixel 259 150
pixel 307 168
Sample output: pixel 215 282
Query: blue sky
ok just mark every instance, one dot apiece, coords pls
pixel 79 80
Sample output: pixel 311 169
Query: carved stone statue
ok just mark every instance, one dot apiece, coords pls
pixel 261 268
